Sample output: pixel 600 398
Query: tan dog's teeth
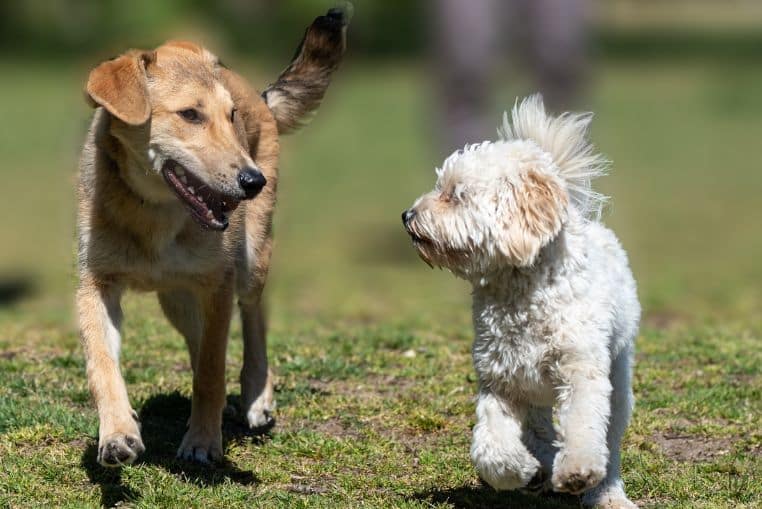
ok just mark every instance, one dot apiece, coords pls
pixel 209 214
pixel 190 188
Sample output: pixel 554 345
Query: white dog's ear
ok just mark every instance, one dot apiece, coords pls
pixel 535 218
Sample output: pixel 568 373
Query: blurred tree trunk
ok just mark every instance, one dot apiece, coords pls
pixel 558 49
pixel 465 36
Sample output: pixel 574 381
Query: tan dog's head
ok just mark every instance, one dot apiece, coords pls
pixel 189 127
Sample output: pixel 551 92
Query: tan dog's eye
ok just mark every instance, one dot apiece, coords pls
pixel 232 115
pixel 191 115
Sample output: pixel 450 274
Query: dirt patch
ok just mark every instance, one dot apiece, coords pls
pixel 350 422
pixel 333 428
pixel 33 354
pixel 305 489
pixel 9 354
pixel 743 379
pixel 372 386
pixel 692 448
pixel 663 319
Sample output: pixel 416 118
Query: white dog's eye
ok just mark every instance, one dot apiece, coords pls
pixel 458 192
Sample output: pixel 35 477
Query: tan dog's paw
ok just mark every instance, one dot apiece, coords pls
pixel 576 473
pixel 259 413
pixel 119 449
pixel 200 447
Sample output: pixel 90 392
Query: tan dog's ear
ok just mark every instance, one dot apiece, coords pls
pixel 301 86
pixel 190 46
pixel 120 86
pixel 194 48
pixel 538 212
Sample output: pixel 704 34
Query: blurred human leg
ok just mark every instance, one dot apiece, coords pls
pixel 558 49
pixel 464 35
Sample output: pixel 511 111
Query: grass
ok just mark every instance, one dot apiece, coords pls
pixel 371 348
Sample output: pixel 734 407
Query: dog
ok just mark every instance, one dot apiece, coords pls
pixel 176 191
pixel 555 307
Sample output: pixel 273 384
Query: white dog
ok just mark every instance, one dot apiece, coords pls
pixel 555 307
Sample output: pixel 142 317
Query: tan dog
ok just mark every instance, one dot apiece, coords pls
pixel 177 146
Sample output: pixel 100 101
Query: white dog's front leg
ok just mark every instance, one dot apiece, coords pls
pixel 584 418
pixel 498 453
pixel 609 494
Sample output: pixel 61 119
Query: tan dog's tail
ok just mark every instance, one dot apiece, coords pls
pixel 301 86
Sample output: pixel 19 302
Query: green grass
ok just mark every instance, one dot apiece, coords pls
pixel 370 347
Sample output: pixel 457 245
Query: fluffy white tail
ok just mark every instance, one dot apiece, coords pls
pixel 565 139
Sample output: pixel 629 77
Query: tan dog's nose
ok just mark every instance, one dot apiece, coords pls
pixel 251 181
pixel 407 215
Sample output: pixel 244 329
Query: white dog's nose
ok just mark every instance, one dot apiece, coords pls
pixel 407 216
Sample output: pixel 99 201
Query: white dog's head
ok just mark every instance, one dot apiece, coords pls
pixel 497 204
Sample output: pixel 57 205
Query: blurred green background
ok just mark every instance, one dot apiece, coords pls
pixel 371 348
pixel 675 86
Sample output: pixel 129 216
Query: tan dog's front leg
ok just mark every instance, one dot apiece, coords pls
pixel 257 398
pixel 100 314
pixel 203 440
pixel 256 377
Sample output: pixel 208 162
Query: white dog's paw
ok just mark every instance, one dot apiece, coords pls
pixel 578 471
pixel 539 484
pixel 201 447
pixel 616 503
pixel 504 470
pixel 608 497
pixel 119 449
pixel 259 413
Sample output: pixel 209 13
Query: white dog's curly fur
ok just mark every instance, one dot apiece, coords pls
pixel 555 307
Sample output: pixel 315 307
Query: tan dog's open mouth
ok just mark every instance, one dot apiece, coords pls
pixel 207 206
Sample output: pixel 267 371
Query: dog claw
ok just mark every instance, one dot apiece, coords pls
pixel 203 450
pixel 119 449
pixel 260 420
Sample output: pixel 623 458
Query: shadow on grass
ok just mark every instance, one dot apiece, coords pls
pixel 15 288
pixel 163 422
pixel 113 491
pixel 484 497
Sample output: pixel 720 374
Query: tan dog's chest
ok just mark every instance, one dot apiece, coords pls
pixel 184 256
pixel 177 265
